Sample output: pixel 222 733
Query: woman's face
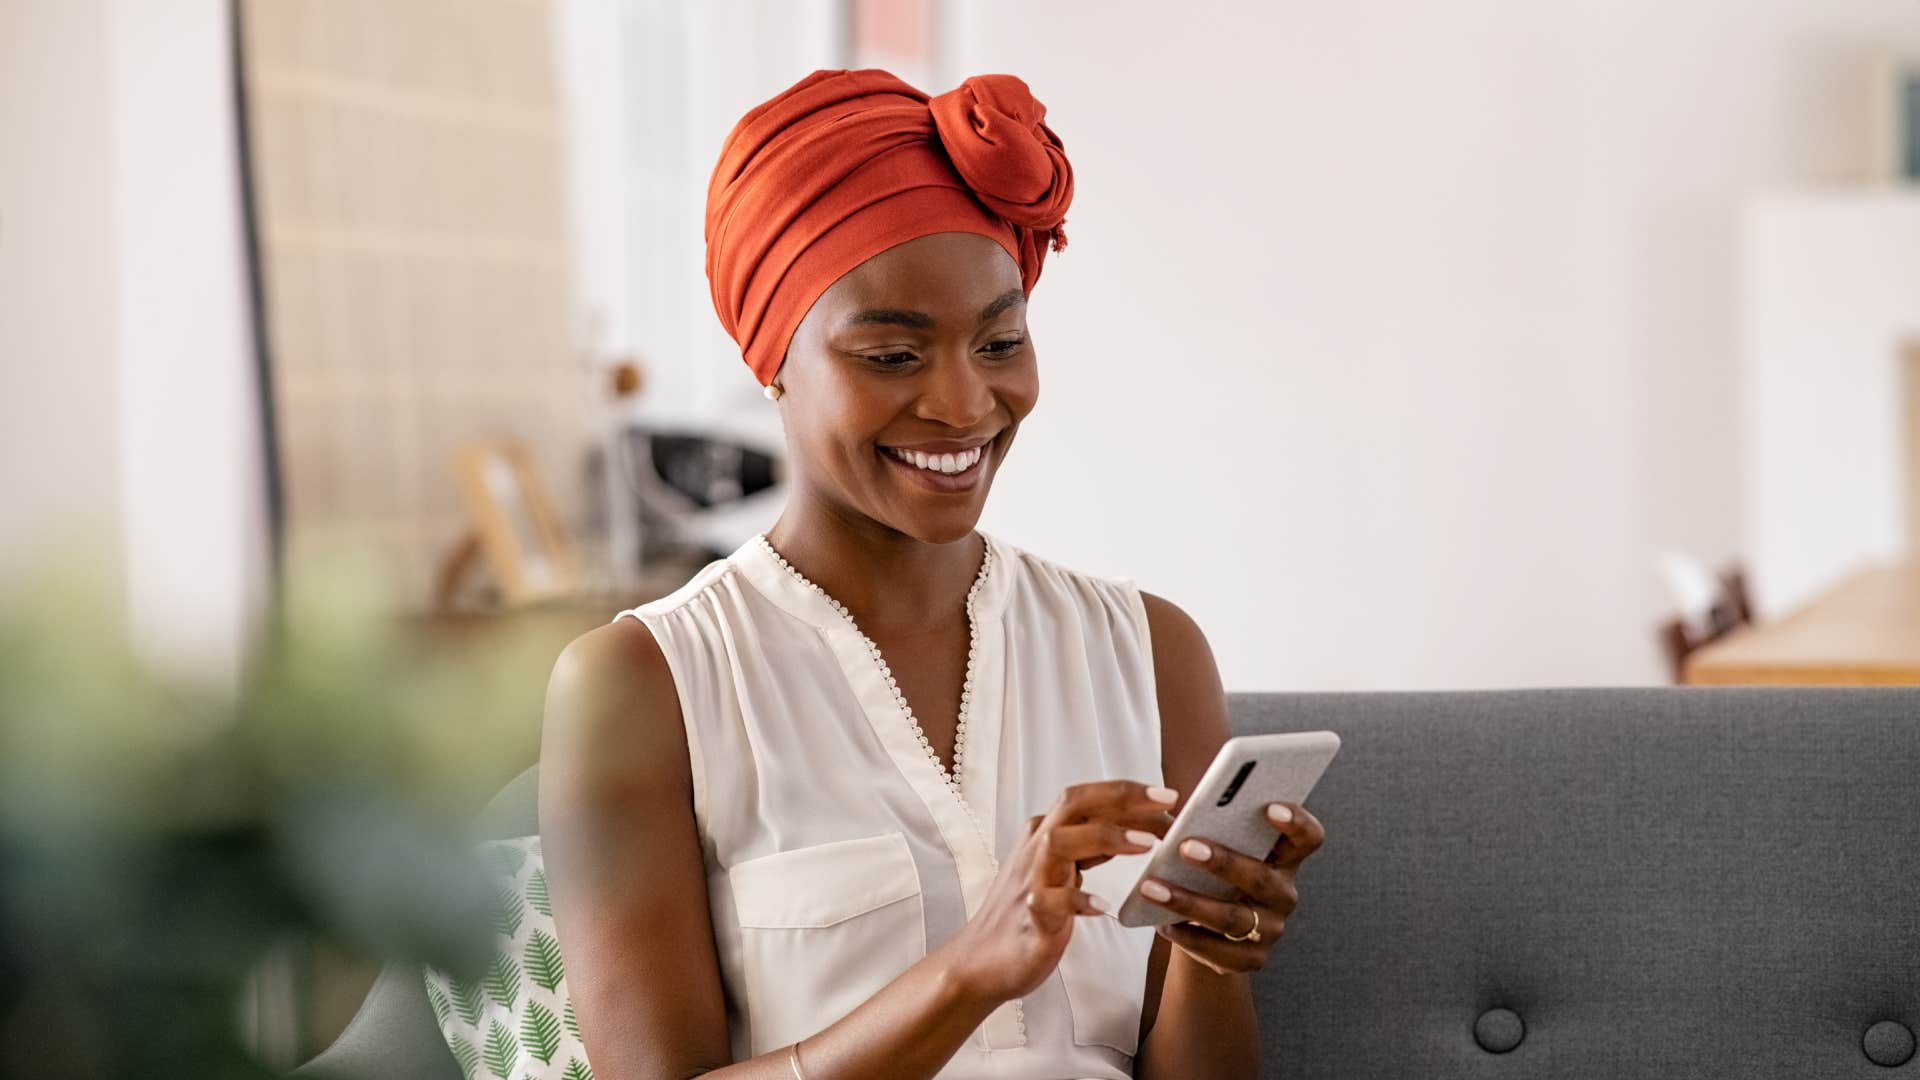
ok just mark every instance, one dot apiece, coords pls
pixel 904 384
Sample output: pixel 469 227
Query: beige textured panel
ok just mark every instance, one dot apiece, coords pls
pixel 409 161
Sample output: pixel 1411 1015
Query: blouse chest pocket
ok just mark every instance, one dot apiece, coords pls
pixel 1104 971
pixel 823 928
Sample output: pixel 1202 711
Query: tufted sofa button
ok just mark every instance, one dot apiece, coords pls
pixel 1499 1030
pixel 1888 1043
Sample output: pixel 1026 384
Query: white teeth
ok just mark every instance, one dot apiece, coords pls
pixel 941 463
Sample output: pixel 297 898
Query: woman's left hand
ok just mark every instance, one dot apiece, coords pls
pixel 1258 915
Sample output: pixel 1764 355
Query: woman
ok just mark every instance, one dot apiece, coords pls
pixel 824 811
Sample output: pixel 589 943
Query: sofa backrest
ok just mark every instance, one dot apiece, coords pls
pixel 1602 883
pixel 1572 883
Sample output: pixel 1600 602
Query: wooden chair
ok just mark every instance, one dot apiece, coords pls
pixel 1732 608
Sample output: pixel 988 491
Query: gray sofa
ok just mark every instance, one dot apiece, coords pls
pixel 1579 883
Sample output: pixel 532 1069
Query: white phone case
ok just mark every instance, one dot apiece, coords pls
pixel 1285 768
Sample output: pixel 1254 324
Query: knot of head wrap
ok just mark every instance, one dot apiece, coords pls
pixel 846 164
pixel 997 136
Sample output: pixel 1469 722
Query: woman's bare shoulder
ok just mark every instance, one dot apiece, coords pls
pixel 1193 704
pixel 624 859
pixel 612 713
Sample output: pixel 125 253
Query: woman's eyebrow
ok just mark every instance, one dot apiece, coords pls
pixel 917 320
pixel 920 320
pixel 1002 303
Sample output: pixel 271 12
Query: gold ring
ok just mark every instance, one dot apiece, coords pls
pixel 1250 935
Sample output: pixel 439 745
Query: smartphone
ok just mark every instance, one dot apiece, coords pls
pixel 1228 807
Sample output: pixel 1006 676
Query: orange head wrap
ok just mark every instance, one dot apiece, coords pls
pixel 843 165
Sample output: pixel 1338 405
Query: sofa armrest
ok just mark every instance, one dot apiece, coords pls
pixel 393 1037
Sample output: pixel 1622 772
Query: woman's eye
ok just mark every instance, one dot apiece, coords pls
pixel 1002 347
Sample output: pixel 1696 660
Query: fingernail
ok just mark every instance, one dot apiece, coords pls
pixel 1096 903
pixel 1155 891
pixel 1278 814
pixel 1141 837
pixel 1197 851
pixel 1163 795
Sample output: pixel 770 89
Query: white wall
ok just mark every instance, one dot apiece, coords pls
pixel 1394 338
pixel 59 441
pixel 191 458
pixel 130 406
pixel 1831 293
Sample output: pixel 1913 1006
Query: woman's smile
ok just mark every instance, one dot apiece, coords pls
pixel 946 468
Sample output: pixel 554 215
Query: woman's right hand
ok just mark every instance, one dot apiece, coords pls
pixel 1020 930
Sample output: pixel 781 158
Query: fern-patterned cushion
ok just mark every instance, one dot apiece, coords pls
pixel 515 1023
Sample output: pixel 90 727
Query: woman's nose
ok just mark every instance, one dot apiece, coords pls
pixel 956 393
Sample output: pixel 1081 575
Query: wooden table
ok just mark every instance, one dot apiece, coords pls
pixel 1865 632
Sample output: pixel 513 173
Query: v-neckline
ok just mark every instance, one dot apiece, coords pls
pixel 963 808
pixel 950 773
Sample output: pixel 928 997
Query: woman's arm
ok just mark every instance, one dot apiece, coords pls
pixel 1196 1021
pixel 628 885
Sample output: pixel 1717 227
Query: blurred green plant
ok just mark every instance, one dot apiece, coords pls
pixel 158 840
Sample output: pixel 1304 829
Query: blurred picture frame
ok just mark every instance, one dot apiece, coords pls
pixel 1897 117
pixel 514 525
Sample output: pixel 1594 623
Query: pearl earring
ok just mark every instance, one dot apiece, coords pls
pixel 772 390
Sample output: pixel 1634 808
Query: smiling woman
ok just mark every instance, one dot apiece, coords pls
pixel 824 812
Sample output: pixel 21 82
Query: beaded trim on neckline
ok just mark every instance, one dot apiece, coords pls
pixel 950 776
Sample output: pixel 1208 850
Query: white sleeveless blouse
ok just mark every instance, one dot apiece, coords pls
pixel 837 852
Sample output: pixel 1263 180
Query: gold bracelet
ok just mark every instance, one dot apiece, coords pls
pixel 793 1062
